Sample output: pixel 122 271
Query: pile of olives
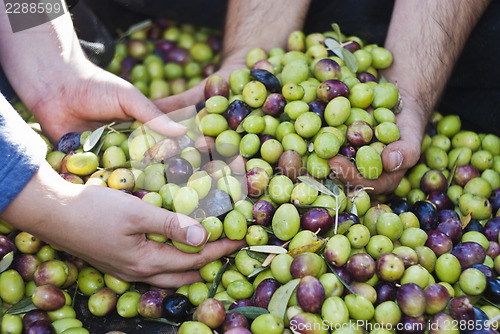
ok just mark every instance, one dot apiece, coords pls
pixel 166 58
pixel 322 258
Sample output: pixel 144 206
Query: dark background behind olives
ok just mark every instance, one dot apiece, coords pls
pixel 473 91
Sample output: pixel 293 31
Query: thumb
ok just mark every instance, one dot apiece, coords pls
pixel 141 108
pixel 401 154
pixel 175 226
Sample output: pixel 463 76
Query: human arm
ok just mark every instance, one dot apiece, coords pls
pixel 426 39
pixel 102 226
pixel 66 92
pixel 249 24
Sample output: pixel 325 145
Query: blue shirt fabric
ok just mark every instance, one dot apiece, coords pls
pixel 22 151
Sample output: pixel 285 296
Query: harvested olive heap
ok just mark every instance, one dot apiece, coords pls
pixel 321 258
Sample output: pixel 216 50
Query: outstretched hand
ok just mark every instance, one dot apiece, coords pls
pixel 397 157
pixel 91 97
pixel 107 228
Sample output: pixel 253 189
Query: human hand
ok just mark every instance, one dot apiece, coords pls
pixel 397 157
pixel 89 97
pixel 107 228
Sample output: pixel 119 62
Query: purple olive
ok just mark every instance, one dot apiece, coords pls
pixel 316 219
pixel 469 253
pixel 69 142
pixel 264 292
pixel 236 112
pixel 332 88
pixel 366 77
pixel 263 212
pixel 274 104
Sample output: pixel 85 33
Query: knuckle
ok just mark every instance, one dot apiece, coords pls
pixel 169 226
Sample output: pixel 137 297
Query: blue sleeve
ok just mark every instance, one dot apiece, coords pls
pixel 21 153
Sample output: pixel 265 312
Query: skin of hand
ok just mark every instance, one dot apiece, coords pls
pixel 106 228
pixel 423 61
pixel 248 25
pixel 64 90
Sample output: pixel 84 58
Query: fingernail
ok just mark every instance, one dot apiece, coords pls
pixel 195 235
pixel 396 160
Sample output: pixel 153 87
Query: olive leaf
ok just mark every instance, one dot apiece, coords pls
pixel 316 185
pixel 268 230
pixel 336 28
pixel 6 261
pixel 341 229
pixel 308 206
pixel 93 138
pixel 163 321
pixel 332 44
pixel 281 297
pixel 337 275
pixel 335 47
pixel 268 260
pixel 257 271
pixel 349 60
pixel 383 79
pixel 267 249
pixel 261 257
pixel 309 248
pixel 23 306
pixel 136 27
pixel 122 126
pixel 465 220
pixel 333 187
pixel 453 169
pixel 73 300
pixel 217 279
pixel 354 209
pixel 250 312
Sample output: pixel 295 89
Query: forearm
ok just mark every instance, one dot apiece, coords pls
pixel 258 23
pixel 426 39
pixel 36 58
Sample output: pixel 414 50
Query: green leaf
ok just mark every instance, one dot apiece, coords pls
pixel 164 321
pixel 217 279
pixel 250 312
pixel 270 249
pixel 73 300
pixel 349 60
pixel 6 261
pixel 316 185
pixel 383 79
pixel 332 44
pixel 268 230
pixel 333 187
pixel 23 306
pixel 341 228
pixel 336 28
pixel 136 27
pixel 93 138
pixel 453 170
pixel 98 148
pixel 281 297
pixel 123 126
pixel 261 257
pixel 354 209
pixel 338 277
pixel 257 271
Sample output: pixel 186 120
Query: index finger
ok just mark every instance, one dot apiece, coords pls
pixel 346 171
